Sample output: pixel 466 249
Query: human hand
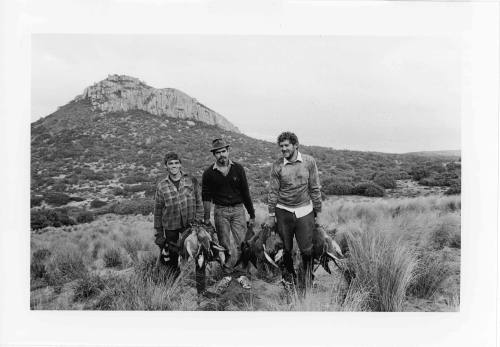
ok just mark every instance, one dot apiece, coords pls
pixel 160 241
pixel 271 221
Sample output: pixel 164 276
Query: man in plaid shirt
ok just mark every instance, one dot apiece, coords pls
pixel 177 204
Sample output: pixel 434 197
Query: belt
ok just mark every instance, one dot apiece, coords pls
pixel 229 205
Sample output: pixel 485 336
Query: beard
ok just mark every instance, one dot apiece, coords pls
pixel 288 154
pixel 222 161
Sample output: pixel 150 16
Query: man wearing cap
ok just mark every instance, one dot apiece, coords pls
pixel 224 184
pixel 294 201
pixel 177 204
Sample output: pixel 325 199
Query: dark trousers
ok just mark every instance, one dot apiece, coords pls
pixel 302 228
pixel 172 237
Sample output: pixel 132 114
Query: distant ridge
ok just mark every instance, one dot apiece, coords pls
pixel 445 153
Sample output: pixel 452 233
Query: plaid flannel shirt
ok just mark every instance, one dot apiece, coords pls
pixel 175 208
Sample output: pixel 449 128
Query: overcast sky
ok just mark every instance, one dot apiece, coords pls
pixel 389 94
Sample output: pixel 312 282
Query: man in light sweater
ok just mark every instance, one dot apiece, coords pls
pixel 294 201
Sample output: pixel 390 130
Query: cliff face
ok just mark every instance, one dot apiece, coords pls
pixel 122 93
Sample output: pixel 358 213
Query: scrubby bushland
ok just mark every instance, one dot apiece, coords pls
pixel 369 189
pixel 135 206
pixel 50 217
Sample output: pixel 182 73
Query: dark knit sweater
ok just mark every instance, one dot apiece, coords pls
pixel 228 190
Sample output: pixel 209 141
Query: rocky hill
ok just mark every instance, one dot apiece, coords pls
pixel 120 93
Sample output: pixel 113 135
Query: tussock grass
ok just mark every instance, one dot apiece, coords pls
pixel 112 257
pixel 384 268
pixel 431 273
pixel 65 265
pixel 398 248
pixel 148 288
pixel 87 287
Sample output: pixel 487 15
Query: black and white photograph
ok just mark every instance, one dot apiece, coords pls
pixel 201 170
pixel 189 194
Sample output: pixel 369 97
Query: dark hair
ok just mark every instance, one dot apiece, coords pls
pixel 287 135
pixel 171 156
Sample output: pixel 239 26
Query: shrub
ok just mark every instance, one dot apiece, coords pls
pixel 384 181
pixel 369 189
pixel 112 257
pixel 119 191
pixel 418 172
pixel 96 203
pixel 85 217
pixel 335 186
pixel 57 199
pixel 36 201
pixel 50 217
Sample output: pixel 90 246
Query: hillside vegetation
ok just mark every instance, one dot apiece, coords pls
pixel 85 163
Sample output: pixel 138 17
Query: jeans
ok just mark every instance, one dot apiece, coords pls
pixel 230 220
pixel 302 228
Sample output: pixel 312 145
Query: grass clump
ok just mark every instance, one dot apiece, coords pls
pixel 87 287
pixel 65 265
pixel 430 274
pixel 383 267
pixel 112 257
pixel 150 287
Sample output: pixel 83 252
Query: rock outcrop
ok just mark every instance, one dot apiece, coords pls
pixel 123 93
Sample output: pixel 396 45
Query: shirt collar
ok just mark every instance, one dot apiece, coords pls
pixel 217 167
pixel 299 158
pixel 182 176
